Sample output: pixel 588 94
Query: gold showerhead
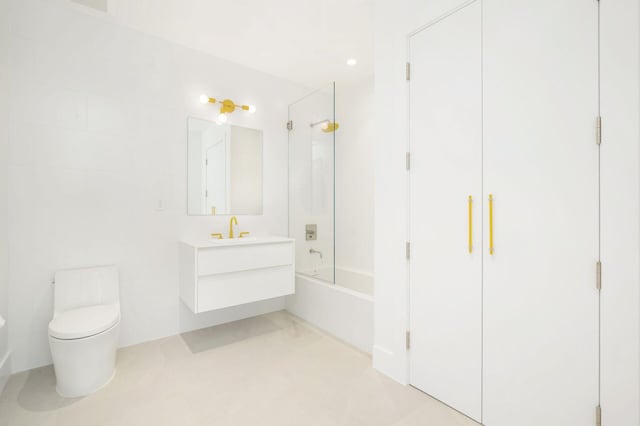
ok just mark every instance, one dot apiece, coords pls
pixel 330 126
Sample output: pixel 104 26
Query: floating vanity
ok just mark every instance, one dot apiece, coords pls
pixel 216 274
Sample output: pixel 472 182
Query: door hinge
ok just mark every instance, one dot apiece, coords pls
pixel 598 130
pixel 408 340
pixel 598 416
pixel 408 161
pixel 290 125
pixel 408 250
pixel 408 71
pixel 599 275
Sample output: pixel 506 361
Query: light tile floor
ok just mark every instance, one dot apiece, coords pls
pixel 269 370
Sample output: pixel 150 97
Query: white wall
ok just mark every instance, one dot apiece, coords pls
pixel 355 175
pixel 620 212
pixel 4 261
pixel 620 170
pixel 98 132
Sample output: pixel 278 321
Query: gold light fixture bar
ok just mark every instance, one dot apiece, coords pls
pixel 227 106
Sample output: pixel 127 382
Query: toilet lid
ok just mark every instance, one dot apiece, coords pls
pixel 84 322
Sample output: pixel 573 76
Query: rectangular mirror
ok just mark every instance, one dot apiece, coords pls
pixel 224 169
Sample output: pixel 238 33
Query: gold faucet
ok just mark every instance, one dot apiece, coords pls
pixel 231 222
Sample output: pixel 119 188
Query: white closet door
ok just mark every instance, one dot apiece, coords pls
pixel 541 165
pixel 446 168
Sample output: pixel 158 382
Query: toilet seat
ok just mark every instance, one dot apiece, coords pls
pixel 84 322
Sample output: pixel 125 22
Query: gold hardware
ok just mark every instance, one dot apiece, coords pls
pixel 242 234
pixel 327 126
pixel 213 211
pixel 227 106
pixel 330 127
pixel 217 235
pixel 491 224
pixel 231 222
pixel 470 224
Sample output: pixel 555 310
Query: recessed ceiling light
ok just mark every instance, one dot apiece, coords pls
pixel 351 62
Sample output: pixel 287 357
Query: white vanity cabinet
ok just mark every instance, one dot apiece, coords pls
pixel 217 274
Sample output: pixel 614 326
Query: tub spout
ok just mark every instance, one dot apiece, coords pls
pixel 312 251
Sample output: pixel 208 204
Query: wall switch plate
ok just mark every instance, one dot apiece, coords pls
pixel 311 232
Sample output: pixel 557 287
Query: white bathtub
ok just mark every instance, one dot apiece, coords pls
pixel 339 309
pixel 350 279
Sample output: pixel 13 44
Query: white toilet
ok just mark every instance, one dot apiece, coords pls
pixel 83 333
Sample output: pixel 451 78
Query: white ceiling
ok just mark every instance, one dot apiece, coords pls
pixel 305 41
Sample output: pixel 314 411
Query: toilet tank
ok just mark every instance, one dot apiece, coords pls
pixel 75 288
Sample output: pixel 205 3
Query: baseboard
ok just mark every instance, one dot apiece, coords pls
pixel 5 370
pixel 387 362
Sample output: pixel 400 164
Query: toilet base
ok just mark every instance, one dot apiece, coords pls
pixel 82 366
pixel 62 394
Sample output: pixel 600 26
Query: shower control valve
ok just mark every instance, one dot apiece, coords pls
pixel 311 232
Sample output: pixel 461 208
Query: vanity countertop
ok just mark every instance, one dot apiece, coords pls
pixel 226 242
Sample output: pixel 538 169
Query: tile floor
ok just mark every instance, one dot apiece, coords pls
pixel 269 370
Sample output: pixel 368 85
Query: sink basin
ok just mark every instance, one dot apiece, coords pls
pixel 233 240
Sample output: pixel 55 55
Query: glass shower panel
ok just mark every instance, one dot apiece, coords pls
pixel 312 183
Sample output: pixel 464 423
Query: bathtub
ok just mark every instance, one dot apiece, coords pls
pixel 343 309
pixel 350 279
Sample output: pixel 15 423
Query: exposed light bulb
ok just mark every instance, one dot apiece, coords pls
pixel 252 108
pixel 222 118
pixel 351 62
pixel 204 99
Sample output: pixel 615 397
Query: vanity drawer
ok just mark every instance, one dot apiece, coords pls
pixel 222 260
pixel 236 288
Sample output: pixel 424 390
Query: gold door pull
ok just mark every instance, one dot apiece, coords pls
pixel 470 224
pixel 491 224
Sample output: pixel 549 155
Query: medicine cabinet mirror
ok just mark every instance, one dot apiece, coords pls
pixel 224 169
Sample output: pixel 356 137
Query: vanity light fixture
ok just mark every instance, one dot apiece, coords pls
pixel 226 107
pixel 351 62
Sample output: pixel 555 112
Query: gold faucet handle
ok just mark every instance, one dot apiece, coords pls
pixel 242 234
pixel 217 235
